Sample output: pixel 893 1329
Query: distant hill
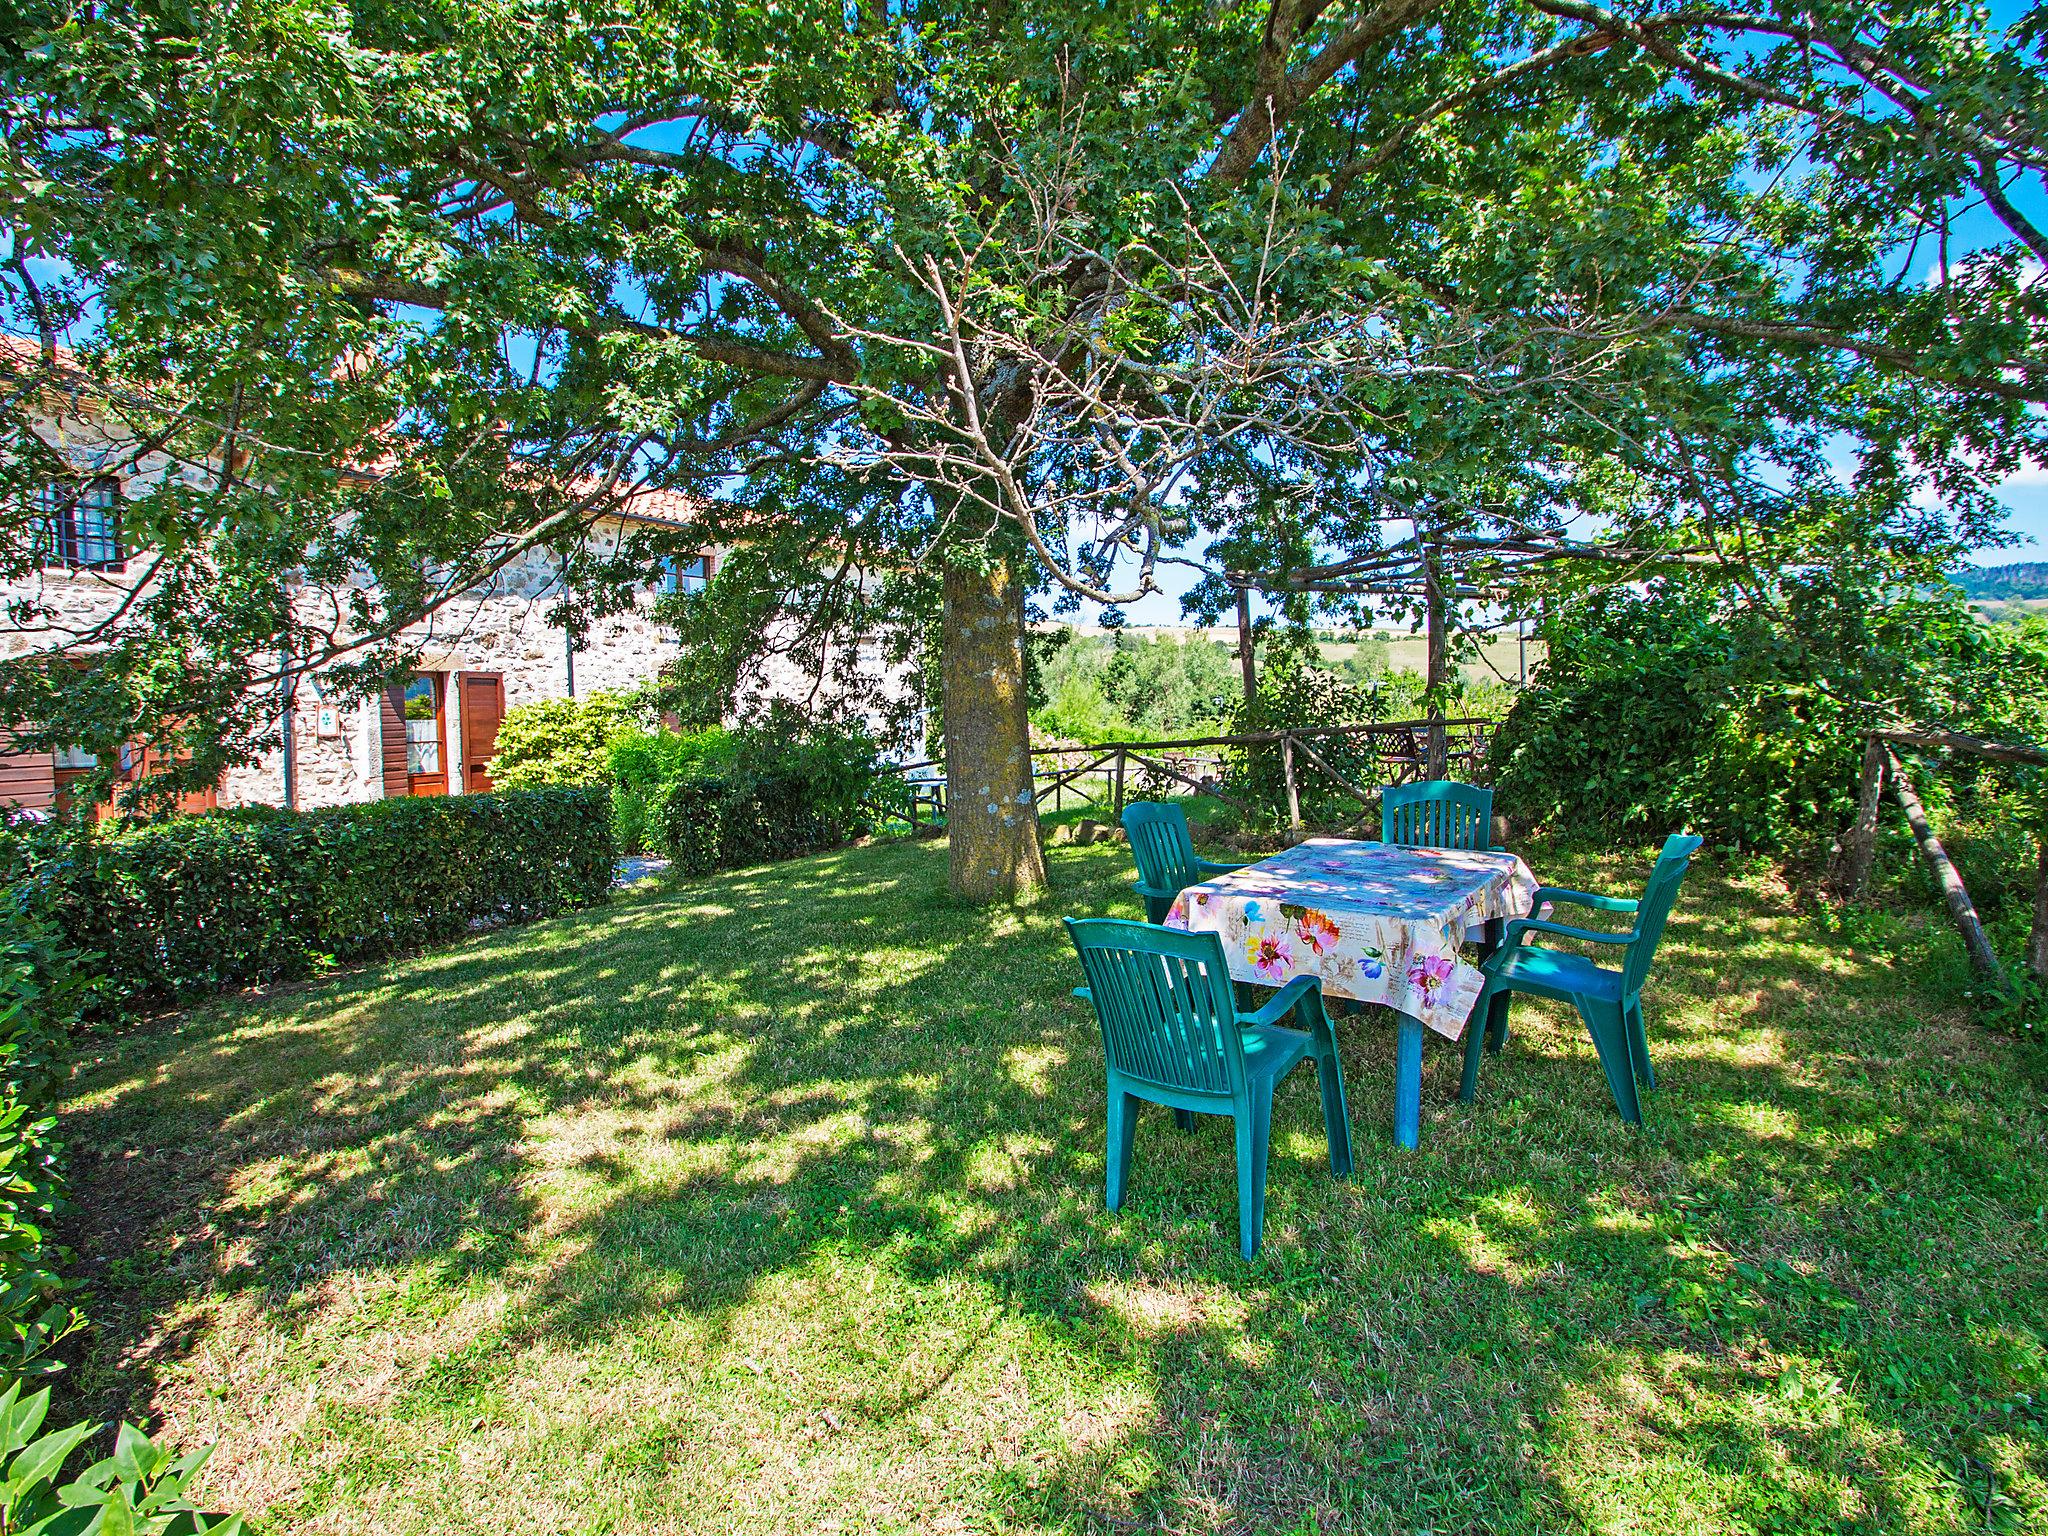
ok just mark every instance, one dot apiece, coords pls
pixel 1997 582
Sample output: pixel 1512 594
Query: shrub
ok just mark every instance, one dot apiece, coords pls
pixel 564 741
pixel 1684 704
pixel 190 905
pixel 140 1489
pixel 44 990
pixel 45 985
pixel 642 764
pixel 1297 692
pixel 789 787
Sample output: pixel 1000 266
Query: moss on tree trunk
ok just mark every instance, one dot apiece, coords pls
pixel 991 818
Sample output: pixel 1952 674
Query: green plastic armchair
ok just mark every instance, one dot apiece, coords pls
pixel 1610 1001
pixel 1166 855
pixel 1437 813
pixel 1172 1034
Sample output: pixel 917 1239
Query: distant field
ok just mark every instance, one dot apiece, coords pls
pixel 1499 658
pixel 1503 658
pixel 2001 607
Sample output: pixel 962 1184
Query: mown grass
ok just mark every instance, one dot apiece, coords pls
pixel 773 1203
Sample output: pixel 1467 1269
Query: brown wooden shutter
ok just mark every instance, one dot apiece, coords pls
pixel 27 779
pixel 396 786
pixel 483 710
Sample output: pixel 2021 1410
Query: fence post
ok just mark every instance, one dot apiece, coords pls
pixel 2037 936
pixel 1287 773
pixel 1117 804
pixel 1858 845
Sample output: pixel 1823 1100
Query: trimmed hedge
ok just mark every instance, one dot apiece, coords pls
pixel 180 908
pixel 722 823
pixel 784 787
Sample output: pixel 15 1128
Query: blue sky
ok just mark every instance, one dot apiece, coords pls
pixel 2027 497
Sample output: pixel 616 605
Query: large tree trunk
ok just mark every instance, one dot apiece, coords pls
pixel 991 819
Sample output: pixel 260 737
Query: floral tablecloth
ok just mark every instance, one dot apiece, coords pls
pixel 1377 922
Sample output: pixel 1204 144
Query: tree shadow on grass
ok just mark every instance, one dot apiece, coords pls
pixel 685 1131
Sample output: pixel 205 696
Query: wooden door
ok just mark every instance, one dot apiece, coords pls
pixel 483 709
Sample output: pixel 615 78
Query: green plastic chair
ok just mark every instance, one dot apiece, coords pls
pixel 1611 1002
pixel 1172 1034
pixel 1166 855
pixel 1437 813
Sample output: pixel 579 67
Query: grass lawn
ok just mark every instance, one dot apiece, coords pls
pixel 773 1202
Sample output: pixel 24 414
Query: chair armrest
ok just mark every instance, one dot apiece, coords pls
pixel 1581 899
pixel 1152 890
pixel 1211 867
pixel 1285 1001
pixel 1084 994
pixel 1521 925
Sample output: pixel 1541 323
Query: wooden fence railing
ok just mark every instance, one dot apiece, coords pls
pixel 1106 774
pixel 1857 847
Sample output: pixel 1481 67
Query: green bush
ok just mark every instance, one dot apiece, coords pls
pixel 139 1489
pixel 1687 704
pixel 1297 692
pixel 606 738
pixel 183 907
pixel 641 765
pixel 44 990
pixel 789 787
pixel 45 986
pixel 1126 687
pixel 565 741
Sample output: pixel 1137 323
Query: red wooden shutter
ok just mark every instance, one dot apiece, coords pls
pixel 396 786
pixel 27 779
pixel 483 710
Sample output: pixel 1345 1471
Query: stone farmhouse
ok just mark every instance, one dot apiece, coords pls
pixel 489 650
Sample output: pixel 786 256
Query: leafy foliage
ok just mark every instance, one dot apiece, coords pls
pixel 1136 689
pixel 1297 691
pixel 643 764
pixel 564 741
pixel 190 905
pixel 46 985
pixel 1742 714
pixel 788 787
pixel 139 1490
pixel 1649 268
pixel 44 989
pixel 606 738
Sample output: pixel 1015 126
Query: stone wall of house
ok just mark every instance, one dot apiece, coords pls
pixel 501 629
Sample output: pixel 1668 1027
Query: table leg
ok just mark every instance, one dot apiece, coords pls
pixel 1408 1082
pixel 1494 930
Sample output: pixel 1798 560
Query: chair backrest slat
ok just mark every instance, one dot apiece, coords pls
pixel 1160 843
pixel 1437 813
pixel 1164 1001
pixel 1654 909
